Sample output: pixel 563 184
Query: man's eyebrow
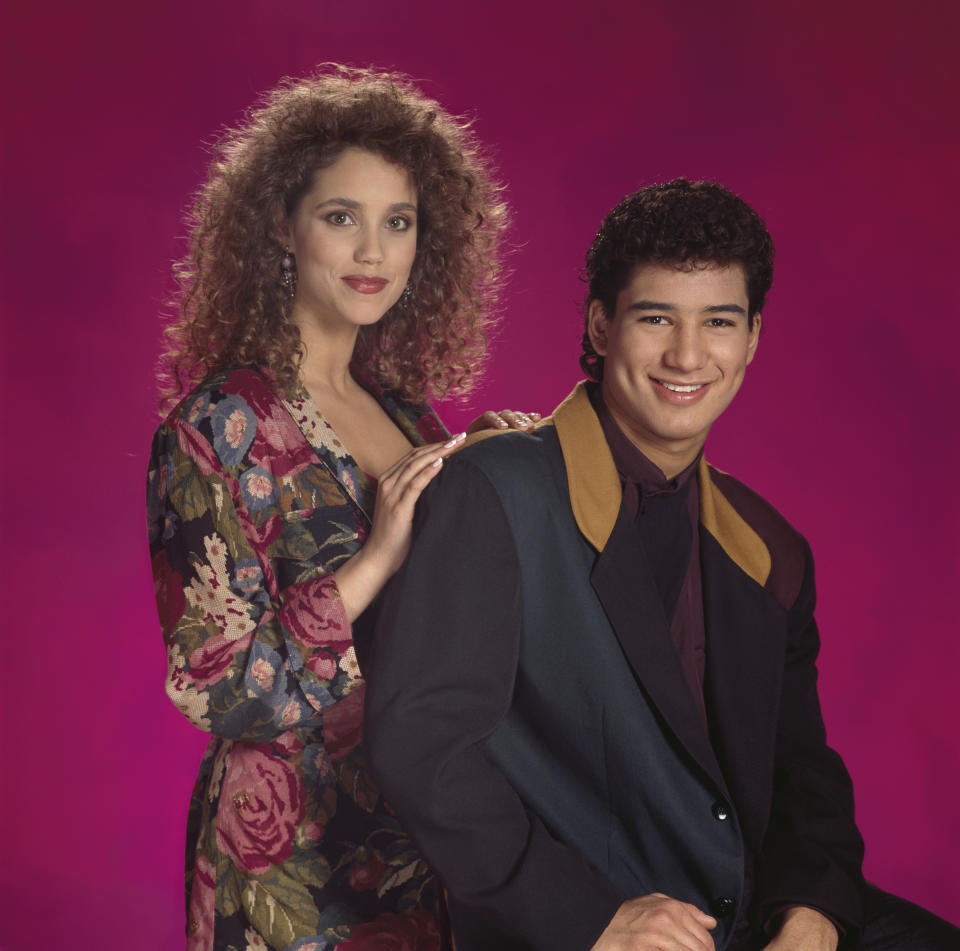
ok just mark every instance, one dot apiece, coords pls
pixel 650 305
pixel 725 309
pixel 711 309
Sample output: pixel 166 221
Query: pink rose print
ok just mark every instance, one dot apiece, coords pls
pixel 200 915
pixel 343 725
pixel 213 657
pixel 389 932
pixel 198 449
pixel 263 673
pixel 365 876
pixel 324 665
pixel 429 427
pixel 314 614
pixel 279 446
pixel 235 428
pixel 261 804
pixel 291 714
pixel 313 831
pixel 259 487
pixel 169 589
pixel 288 744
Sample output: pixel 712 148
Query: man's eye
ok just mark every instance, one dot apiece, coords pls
pixel 720 322
pixel 653 319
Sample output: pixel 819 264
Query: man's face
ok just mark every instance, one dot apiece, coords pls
pixel 674 354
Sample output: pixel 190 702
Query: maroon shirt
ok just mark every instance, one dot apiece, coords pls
pixel 666 512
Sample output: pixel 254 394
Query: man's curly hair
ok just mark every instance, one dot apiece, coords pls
pixel 686 224
pixel 233 307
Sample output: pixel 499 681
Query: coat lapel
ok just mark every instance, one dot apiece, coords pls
pixel 622 577
pixel 624 583
pixel 746 632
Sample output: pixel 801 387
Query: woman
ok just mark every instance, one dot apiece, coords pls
pixel 342 265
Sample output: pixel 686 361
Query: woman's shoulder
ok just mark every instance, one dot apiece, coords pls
pixel 247 389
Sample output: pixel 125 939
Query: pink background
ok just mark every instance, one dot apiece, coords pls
pixel 835 119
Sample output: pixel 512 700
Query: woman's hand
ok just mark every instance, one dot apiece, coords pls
pixel 361 578
pixel 505 419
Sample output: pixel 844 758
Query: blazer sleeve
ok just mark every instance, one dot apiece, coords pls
pixel 812 852
pixel 442 672
pixel 245 658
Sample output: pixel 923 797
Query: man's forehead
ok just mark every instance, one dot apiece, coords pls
pixel 683 283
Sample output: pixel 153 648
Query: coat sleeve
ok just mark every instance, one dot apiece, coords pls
pixel 245 658
pixel 812 852
pixel 442 673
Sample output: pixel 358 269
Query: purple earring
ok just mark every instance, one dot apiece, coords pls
pixel 288 271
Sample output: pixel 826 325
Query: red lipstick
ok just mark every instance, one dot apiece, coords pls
pixel 366 285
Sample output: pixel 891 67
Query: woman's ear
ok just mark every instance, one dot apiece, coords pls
pixel 597 325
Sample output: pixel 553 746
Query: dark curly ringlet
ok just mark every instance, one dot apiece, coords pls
pixel 233 307
pixel 686 224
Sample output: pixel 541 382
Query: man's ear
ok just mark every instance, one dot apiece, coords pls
pixel 597 326
pixel 753 338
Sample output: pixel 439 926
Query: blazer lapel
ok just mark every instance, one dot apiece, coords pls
pixel 622 577
pixel 746 633
pixel 623 580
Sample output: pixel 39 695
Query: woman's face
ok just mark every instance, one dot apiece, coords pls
pixel 354 235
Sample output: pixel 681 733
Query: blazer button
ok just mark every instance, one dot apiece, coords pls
pixel 720 810
pixel 721 907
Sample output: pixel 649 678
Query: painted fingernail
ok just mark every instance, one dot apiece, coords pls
pixel 453 440
pixel 436 463
pixel 502 423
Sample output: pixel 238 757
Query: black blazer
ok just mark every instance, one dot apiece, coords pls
pixel 528 717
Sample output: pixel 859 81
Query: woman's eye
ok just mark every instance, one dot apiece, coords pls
pixel 339 218
pixel 398 223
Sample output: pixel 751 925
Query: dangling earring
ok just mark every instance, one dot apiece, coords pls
pixel 288 272
pixel 407 295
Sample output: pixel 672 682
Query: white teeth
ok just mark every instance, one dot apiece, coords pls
pixel 681 389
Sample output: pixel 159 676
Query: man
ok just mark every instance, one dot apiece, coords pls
pixel 593 688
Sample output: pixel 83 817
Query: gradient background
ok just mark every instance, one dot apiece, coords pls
pixel 836 120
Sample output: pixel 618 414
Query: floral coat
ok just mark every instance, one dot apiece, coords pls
pixel 253 502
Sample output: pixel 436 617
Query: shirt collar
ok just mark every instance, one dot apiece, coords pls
pixel 632 465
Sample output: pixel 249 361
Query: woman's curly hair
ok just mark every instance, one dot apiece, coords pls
pixel 233 306
pixel 686 224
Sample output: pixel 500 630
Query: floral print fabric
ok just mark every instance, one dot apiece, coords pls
pixel 253 502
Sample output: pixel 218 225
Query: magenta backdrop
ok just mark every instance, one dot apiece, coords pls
pixel 835 119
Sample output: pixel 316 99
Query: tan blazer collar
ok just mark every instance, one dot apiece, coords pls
pixel 595 492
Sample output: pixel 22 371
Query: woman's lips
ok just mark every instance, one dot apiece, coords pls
pixel 366 285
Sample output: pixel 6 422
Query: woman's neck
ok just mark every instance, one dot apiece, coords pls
pixel 327 356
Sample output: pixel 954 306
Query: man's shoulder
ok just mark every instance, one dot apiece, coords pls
pixel 787 548
pixel 495 451
pixel 523 470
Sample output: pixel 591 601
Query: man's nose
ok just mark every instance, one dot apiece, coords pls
pixel 687 350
